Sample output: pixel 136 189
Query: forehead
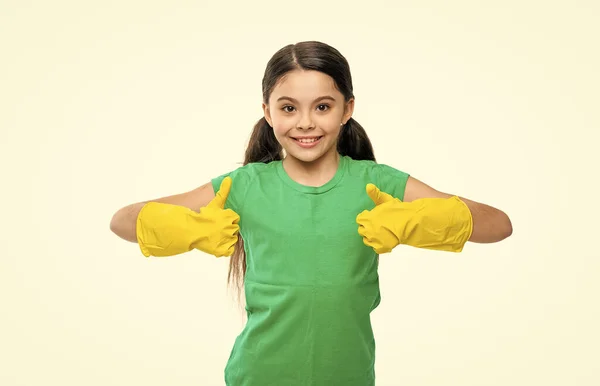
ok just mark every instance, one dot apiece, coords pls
pixel 305 84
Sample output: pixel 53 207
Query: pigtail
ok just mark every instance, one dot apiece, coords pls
pixel 354 142
pixel 263 146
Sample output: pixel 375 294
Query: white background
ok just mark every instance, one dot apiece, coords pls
pixel 103 104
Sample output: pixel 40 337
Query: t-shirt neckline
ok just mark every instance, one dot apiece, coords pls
pixel 343 160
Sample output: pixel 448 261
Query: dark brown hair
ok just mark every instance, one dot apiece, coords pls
pixel 264 147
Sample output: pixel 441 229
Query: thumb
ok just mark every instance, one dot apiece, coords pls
pixel 377 195
pixel 222 194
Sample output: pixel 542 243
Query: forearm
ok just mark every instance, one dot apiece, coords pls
pixel 481 223
pixel 490 225
pixel 123 222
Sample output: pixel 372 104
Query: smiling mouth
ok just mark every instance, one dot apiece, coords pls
pixel 307 140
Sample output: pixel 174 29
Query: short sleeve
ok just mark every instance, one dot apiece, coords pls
pixel 392 180
pixel 239 185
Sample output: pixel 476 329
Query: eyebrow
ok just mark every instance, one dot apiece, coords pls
pixel 316 100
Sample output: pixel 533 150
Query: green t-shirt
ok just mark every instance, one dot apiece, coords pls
pixel 311 283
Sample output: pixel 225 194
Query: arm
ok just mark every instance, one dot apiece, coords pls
pixel 123 222
pixel 490 225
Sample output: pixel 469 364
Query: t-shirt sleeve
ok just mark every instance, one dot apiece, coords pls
pixel 239 185
pixel 392 180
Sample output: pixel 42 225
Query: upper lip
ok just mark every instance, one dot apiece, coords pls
pixel 311 137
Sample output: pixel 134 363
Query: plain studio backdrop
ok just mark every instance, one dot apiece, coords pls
pixel 103 104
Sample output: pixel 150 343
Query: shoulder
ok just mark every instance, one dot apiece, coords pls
pixel 242 175
pixel 387 178
pixel 241 180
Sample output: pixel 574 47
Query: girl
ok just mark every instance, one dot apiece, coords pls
pixel 304 221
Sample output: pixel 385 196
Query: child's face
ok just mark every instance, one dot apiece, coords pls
pixel 306 111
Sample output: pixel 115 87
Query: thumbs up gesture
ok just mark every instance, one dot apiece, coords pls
pixel 443 224
pixel 220 224
pixel 375 226
pixel 166 230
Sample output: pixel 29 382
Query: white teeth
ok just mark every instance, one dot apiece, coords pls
pixel 307 140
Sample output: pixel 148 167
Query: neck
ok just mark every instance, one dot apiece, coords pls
pixel 315 173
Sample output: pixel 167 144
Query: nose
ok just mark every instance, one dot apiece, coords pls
pixel 305 122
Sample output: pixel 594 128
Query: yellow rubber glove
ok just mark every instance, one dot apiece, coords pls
pixel 167 230
pixel 443 224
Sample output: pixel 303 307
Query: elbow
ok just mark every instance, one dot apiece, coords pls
pixel 119 225
pixel 114 223
pixel 506 228
pixel 123 223
pixel 492 230
pixel 509 228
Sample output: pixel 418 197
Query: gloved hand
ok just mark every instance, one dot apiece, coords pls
pixel 167 230
pixel 443 224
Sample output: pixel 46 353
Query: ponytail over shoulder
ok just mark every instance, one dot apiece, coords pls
pixel 262 147
pixel 354 142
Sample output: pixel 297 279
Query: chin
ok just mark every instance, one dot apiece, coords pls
pixel 308 155
pixel 305 158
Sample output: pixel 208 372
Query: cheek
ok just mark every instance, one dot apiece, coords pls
pixel 281 132
pixel 278 130
pixel 330 124
pixel 281 125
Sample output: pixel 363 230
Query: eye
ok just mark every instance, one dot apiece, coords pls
pixel 323 107
pixel 288 108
